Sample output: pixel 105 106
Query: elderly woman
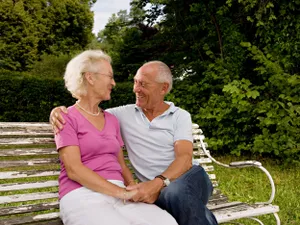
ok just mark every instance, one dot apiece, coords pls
pixel 93 171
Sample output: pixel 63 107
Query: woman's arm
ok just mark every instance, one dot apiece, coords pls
pixel 78 172
pixel 127 175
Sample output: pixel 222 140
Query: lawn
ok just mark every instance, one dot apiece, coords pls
pixel 251 185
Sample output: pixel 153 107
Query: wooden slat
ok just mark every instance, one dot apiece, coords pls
pixel 26 141
pixel 217 199
pixel 17 133
pixel 197 131
pixel 30 219
pixel 51 222
pixel 212 176
pixel 198 137
pixel 27 197
pixel 199 153
pixel 28 208
pixel 23 186
pixel 243 211
pixel 21 174
pixel 28 162
pixel 224 205
pixel 208 168
pixel 28 151
pixel 197 145
pixel 203 160
pixel 25 127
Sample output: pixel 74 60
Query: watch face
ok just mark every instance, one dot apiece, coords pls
pixel 167 182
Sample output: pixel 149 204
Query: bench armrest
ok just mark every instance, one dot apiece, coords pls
pixel 239 164
pixel 242 164
pixel 252 163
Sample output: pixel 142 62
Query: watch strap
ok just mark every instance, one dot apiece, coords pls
pixel 162 178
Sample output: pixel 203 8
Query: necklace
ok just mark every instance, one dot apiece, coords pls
pixel 92 114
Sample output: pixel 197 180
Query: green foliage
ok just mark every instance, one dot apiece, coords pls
pixel 31 28
pixel 50 66
pixel 31 99
pixel 236 64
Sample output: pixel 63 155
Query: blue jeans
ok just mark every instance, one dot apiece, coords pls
pixel 186 198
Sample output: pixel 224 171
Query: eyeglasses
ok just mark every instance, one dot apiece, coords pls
pixel 110 75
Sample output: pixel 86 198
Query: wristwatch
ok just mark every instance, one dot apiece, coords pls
pixel 164 179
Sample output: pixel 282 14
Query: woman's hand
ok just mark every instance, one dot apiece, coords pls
pixel 127 195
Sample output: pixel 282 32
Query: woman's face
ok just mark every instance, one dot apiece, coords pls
pixel 103 81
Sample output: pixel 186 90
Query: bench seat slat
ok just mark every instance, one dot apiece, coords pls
pixel 27 197
pixel 28 151
pixel 30 173
pixel 199 153
pixel 198 145
pixel 28 162
pixel 17 133
pixel 23 186
pixel 30 219
pixel 25 141
pixel 26 125
pixel 208 168
pixel 242 211
pixel 217 199
pixel 28 208
pixel 203 160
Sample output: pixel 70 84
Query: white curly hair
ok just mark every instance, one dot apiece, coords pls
pixel 87 61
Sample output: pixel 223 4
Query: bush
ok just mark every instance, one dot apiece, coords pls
pixel 50 66
pixel 31 99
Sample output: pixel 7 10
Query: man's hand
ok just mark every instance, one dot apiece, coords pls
pixel 148 192
pixel 56 118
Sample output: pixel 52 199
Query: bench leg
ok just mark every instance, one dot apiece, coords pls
pixel 277 218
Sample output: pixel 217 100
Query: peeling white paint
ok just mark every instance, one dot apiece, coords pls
pixel 27 197
pixel 11 187
pixel 46 216
pixel 18 174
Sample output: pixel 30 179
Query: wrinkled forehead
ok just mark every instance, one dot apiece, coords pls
pixel 145 73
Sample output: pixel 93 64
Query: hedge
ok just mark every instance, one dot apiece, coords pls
pixel 31 99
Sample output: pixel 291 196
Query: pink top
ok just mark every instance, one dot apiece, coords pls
pixel 99 149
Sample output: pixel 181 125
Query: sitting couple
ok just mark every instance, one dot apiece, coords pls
pixel 95 184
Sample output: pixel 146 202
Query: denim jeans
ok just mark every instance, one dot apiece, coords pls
pixel 186 198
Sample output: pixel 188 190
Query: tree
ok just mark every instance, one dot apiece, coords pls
pixel 236 65
pixel 30 28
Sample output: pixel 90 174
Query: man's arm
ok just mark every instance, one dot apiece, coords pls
pixel 183 160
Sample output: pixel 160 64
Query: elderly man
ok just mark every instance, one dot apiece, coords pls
pixel 158 138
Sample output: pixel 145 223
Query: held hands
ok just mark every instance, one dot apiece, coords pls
pixel 56 118
pixel 127 195
pixel 147 192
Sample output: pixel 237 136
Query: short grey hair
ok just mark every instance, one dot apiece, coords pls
pixel 86 61
pixel 164 74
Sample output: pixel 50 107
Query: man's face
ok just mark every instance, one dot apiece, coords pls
pixel 147 90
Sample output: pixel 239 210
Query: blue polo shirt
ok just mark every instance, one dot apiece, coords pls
pixel 150 145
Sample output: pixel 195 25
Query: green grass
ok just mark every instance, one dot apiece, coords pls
pixel 251 185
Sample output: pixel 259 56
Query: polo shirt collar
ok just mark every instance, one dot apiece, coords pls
pixel 172 109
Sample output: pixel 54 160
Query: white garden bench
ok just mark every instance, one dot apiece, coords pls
pixel 29 171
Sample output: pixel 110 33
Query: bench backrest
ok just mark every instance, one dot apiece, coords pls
pixel 29 172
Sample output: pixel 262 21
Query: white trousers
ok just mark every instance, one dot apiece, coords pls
pixel 83 206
